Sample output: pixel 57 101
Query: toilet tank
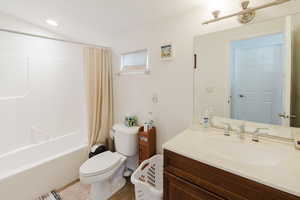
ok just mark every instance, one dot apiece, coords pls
pixel 126 139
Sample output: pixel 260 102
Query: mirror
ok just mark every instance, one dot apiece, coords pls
pixel 249 73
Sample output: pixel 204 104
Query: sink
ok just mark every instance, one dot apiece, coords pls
pixel 270 162
pixel 247 152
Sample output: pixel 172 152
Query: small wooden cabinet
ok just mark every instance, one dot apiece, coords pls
pixel 147 144
pixel 187 179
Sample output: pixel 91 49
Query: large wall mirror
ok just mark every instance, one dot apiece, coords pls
pixel 249 73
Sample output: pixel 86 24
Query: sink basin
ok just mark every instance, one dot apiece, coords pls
pixel 244 152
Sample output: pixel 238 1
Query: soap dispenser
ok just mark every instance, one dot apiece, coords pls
pixel 206 118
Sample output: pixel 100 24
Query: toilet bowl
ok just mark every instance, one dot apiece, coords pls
pixel 105 174
pixel 105 171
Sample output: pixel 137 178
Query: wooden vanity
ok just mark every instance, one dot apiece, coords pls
pixel 188 179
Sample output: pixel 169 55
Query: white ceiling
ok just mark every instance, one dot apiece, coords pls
pixel 105 16
pixel 80 18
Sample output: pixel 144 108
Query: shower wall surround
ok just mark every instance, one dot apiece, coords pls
pixel 41 90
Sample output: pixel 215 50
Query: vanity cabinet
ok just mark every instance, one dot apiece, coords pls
pixel 178 189
pixel 189 179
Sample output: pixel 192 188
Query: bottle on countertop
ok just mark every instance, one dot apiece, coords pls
pixel 206 117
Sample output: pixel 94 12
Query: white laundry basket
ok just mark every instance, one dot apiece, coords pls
pixel 148 179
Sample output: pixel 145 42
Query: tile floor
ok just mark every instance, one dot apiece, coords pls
pixel 78 191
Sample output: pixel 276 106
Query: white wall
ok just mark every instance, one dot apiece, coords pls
pixel 172 81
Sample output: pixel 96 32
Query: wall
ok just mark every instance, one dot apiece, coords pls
pixel 171 81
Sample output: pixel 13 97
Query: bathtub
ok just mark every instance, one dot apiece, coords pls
pixel 31 171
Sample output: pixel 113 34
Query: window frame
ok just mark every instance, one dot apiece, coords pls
pixel 145 68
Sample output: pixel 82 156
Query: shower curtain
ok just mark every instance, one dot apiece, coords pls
pixel 98 66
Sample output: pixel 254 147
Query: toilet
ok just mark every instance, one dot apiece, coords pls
pixel 105 171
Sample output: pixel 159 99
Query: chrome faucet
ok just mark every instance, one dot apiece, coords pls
pixel 241 132
pixel 227 128
pixel 256 134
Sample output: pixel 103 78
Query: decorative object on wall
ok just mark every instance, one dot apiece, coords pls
pixel 166 52
pixel 247 14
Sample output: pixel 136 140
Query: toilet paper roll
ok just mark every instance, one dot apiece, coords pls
pixel 94 147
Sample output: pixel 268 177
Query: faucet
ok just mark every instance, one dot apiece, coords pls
pixel 256 134
pixel 241 132
pixel 228 128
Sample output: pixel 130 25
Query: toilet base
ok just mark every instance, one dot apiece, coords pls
pixel 118 186
pixel 104 190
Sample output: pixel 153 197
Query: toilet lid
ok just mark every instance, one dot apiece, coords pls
pixel 100 164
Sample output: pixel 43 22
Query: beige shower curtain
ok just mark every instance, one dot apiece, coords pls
pixel 98 67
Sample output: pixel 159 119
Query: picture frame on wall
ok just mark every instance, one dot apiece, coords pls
pixel 166 52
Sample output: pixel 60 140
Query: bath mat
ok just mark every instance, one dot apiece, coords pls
pixel 50 196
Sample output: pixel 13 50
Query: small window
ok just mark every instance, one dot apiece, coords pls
pixel 135 62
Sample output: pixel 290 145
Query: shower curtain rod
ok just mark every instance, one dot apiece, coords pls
pixel 52 38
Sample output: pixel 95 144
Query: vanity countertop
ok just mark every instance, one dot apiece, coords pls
pixel 272 163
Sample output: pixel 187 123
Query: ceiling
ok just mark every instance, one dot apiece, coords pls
pixel 102 16
pixel 82 18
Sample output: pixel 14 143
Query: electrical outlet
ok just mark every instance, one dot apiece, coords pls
pixel 155 98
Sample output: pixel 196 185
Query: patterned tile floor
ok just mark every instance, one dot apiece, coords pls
pixel 79 191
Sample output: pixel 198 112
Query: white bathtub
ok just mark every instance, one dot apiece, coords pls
pixel 34 170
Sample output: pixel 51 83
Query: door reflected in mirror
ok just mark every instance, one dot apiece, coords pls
pixel 257 79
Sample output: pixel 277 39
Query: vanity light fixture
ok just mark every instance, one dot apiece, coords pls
pixel 51 22
pixel 216 14
pixel 247 13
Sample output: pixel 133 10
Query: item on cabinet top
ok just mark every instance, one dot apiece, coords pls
pixel 150 119
pixel 147 143
pixel 149 123
pixel 131 121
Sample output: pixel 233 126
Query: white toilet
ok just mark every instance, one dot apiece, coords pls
pixel 105 171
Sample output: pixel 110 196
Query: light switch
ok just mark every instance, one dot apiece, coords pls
pixel 210 90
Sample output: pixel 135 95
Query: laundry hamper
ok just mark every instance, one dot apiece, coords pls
pixel 148 179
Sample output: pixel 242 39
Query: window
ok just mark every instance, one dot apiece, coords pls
pixel 135 62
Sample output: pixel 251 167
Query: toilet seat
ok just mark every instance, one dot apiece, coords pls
pixel 100 164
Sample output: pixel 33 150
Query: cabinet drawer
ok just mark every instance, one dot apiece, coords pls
pixel 178 189
pixel 220 182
